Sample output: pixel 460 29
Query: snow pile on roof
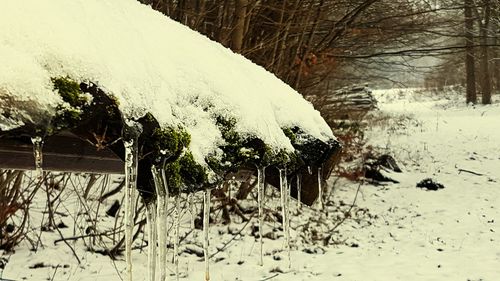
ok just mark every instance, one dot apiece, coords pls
pixel 150 64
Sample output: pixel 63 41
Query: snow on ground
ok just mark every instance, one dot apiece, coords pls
pixel 450 234
pixel 396 231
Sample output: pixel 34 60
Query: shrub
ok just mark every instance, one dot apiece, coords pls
pixel 14 206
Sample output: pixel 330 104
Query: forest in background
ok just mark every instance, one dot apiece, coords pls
pixel 317 46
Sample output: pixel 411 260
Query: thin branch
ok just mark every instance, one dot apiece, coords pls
pixel 470 172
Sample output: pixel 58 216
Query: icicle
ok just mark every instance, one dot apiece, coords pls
pixel 152 239
pixel 161 213
pixel 131 162
pixel 162 237
pixel 206 223
pixel 192 209
pixel 37 153
pixel 287 208
pixel 299 192
pixel 285 211
pixel 165 186
pixel 320 190
pixel 176 237
pixel 261 174
pixel 282 199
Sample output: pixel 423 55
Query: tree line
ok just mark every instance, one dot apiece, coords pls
pixel 319 45
pixel 475 29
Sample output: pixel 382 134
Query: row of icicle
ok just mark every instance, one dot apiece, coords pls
pixel 156 214
pixel 156 218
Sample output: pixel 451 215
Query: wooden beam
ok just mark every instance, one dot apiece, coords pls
pixel 64 152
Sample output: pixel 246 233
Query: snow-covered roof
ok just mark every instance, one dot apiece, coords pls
pixel 149 63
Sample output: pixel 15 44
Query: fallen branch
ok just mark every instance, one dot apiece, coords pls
pixel 82 236
pixel 470 172
pixel 220 249
pixel 270 277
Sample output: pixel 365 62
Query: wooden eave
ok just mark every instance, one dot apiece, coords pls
pixel 64 152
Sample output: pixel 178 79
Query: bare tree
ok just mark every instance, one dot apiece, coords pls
pixel 313 43
pixel 484 24
pixel 469 53
pixel 238 31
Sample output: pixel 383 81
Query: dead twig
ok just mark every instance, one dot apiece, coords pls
pixel 345 217
pixel 67 244
pixel 470 172
pixel 220 249
pixel 54 275
pixel 62 239
pixel 270 277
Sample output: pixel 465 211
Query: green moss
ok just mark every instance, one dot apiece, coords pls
pixel 68 116
pixel 215 163
pixel 290 135
pixel 69 91
pixel 309 150
pixel 169 147
pixel 162 144
pixel 170 141
pixel 282 158
pixel 173 176
pixel 250 151
pixel 237 150
pixel 226 126
pixel 192 173
pixel 185 173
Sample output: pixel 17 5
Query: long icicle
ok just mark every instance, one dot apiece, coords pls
pixel 152 239
pixel 131 162
pixel 284 210
pixel 192 209
pixel 320 189
pixel 176 236
pixel 287 210
pixel 206 224
pixel 38 155
pixel 261 174
pixel 282 200
pixel 299 192
pixel 161 213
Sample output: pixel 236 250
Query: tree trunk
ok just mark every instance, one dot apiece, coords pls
pixel 237 34
pixel 495 14
pixel 496 68
pixel 272 65
pixel 485 70
pixel 307 47
pixel 283 42
pixel 470 75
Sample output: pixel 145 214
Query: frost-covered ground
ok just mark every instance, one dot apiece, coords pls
pixel 395 232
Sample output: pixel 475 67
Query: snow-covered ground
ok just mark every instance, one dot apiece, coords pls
pixel 450 234
pixel 394 232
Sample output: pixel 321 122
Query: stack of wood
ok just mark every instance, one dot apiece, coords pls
pixel 345 103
